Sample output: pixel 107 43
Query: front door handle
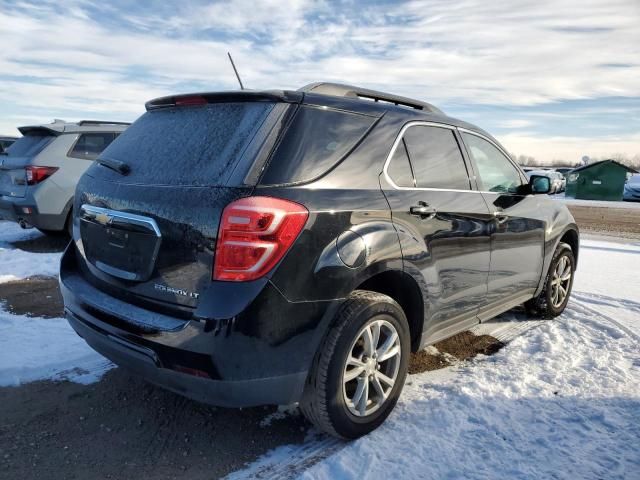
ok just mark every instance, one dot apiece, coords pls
pixel 423 210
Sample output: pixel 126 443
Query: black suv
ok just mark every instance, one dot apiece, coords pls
pixel 248 248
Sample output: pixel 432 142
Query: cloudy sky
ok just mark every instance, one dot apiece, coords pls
pixel 554 79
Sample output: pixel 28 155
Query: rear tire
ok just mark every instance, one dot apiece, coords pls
pixel 356 378
pixel 554 297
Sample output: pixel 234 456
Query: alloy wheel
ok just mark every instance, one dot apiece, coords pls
pixel 560 281
pixel 371 368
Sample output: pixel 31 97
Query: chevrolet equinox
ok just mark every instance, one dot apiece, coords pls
pixel 272 247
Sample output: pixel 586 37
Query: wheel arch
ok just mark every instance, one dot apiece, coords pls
pixel 406 292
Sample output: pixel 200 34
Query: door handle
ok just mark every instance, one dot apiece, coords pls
pixel 423 210
pixel 501 217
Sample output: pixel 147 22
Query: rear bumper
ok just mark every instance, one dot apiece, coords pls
pixel 145 362
pixel 259 356
pixel 13 209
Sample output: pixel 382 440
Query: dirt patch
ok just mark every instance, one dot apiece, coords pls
pixel 122 427
pixel 43 244
pixel 462 346
pixel 33 296
pixel 616 221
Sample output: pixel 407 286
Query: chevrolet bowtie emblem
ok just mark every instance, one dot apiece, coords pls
pixel 103 218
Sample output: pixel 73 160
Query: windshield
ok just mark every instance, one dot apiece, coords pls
pixel 184 146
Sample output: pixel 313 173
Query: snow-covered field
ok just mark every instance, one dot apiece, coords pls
pixel 33 348
pixel 561 400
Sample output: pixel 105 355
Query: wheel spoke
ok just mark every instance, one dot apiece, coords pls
pixel 390 353
pixel 377 386
pixel 388 343
pixel 382 377
pixel 369 347
pixel 364 397
pixel 375 335
pixel 353 373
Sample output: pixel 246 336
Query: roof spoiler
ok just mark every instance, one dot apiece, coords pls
pixel 194 99
pixel 100 122
pixel 341 90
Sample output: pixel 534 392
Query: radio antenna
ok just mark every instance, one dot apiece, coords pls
pixel 236 71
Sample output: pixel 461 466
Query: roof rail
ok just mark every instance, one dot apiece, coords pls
pixel 99 122
pixel 341 90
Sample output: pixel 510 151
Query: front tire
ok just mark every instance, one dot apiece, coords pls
pixel 358 375
pixel 554 297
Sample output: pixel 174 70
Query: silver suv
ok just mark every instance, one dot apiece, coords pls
pixel 39 172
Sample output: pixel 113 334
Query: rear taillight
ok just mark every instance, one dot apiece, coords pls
pixel 254 235
pixel 36 175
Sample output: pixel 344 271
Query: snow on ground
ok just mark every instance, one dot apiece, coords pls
pixel 45 348
pixel 39 348
pixel 16 264
pixel 561 400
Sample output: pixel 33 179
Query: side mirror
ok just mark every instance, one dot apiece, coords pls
pixel 539 184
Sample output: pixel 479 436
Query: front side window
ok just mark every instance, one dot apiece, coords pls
pixel 496 172
pixel 436 158
pixel 90 145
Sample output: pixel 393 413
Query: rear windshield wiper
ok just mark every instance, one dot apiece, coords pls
pixel 115 165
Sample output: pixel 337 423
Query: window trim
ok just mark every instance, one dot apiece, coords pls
pixel 400 138
pixel 521 173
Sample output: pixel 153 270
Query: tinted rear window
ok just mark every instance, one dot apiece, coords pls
pixel 436 158
pixel 316 141
pixel 185 146
pixel 29 145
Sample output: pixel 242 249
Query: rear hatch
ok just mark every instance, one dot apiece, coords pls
pixel 148 232
pixel 13 179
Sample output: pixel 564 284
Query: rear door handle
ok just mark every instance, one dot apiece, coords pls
pixel 423 210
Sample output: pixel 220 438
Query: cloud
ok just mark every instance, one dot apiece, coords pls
pixel 88 58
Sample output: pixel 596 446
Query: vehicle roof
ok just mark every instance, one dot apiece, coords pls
pixel 7 137
pixel 334 95
pixel 60 126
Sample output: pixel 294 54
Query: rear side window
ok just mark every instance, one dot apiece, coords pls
pixel 436 158
pixel 29 145
pixel 399 168
pixel 186 145
pixel 90 145
pixel 315 142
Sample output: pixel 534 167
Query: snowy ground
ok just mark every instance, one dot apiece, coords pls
pixel 561 400
pixel 33 348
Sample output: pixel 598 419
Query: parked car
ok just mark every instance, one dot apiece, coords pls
pixel 6 142
pixel 249 248
pixel 39 172
pixel 558 182
pixel 632 189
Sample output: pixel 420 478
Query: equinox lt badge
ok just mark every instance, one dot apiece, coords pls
pixel 177 291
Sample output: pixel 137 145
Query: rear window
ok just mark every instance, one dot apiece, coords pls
pixel 185 146
pixel 316 141
pixel 29 145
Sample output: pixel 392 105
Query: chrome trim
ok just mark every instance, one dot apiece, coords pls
pixel 106 216
pixel 393 151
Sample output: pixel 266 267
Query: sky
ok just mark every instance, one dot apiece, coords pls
pixel 550 79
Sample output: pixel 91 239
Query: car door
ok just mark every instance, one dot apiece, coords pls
pixel 517 233
pixel 443 225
